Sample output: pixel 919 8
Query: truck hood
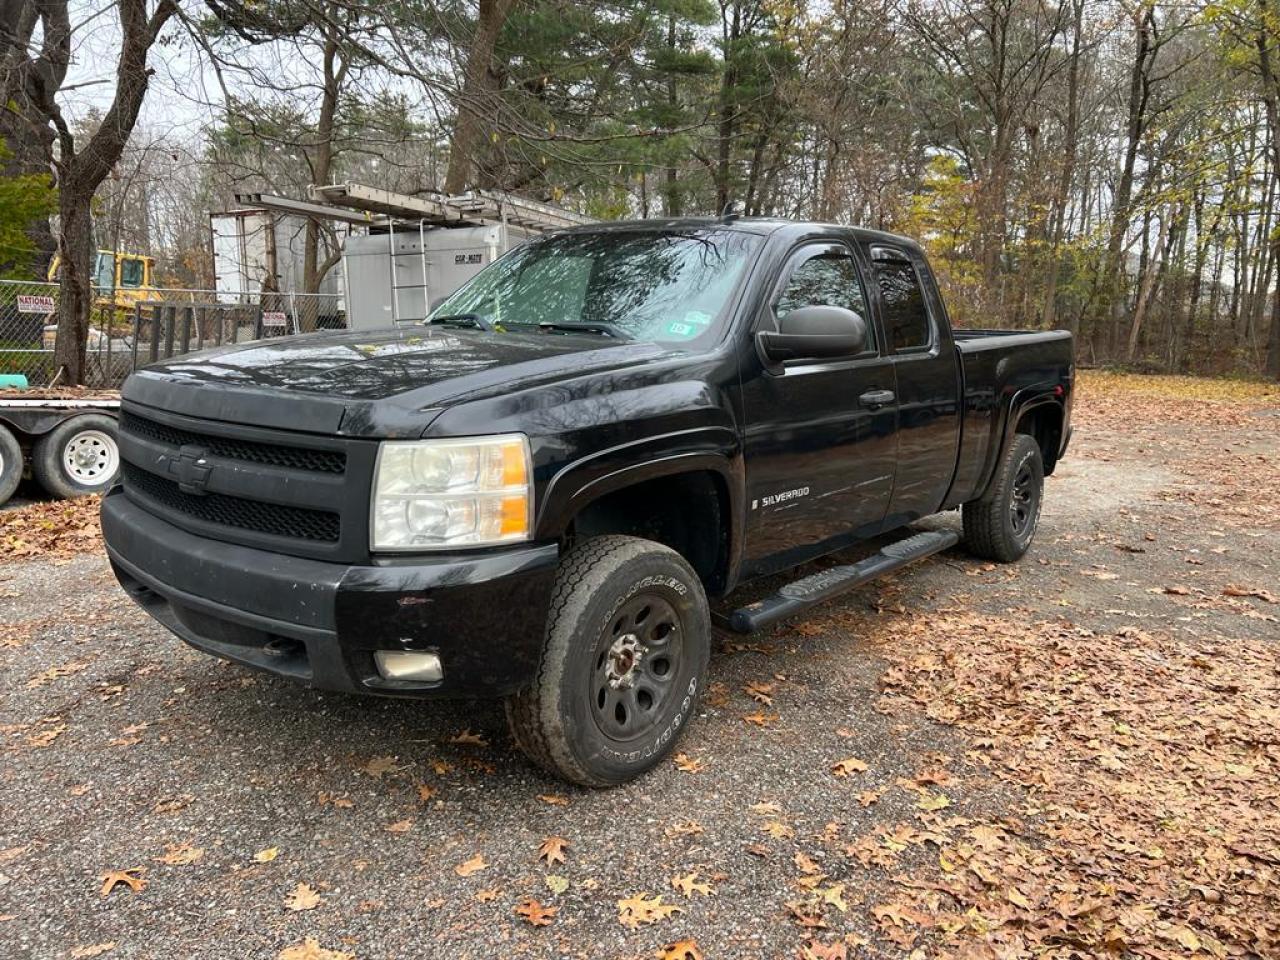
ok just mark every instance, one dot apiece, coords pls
pixel 374 383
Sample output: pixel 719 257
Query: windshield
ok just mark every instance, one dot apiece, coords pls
pixel 669 287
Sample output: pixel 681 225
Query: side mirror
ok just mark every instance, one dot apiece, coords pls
pixel 812 333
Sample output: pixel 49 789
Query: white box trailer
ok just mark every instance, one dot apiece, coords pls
pixel 398 276
pixel 419 248
pixel 257 249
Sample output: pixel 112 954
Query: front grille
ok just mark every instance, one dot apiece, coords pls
pixel 318 526
pixel 276 455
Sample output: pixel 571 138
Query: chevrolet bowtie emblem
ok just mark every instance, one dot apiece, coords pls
pixel 190 469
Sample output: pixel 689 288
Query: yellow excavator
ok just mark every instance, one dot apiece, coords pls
pixel 120 280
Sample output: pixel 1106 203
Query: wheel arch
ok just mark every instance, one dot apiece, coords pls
pixel 664 499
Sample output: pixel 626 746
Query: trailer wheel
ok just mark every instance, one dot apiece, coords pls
pixel 80 456
pixel 10 464
pixel 624 662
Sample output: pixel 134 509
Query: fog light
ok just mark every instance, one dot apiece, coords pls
pixel 403 665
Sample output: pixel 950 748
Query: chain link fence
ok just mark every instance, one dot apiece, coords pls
pixel 131 328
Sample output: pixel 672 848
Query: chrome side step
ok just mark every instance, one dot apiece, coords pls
pixel 800 595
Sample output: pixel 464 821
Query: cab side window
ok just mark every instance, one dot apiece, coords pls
pixel 906 317
pixel 827 276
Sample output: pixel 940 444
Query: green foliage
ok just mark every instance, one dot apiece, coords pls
pixel 24 200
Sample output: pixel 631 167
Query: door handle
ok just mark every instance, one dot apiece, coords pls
pixel 875 399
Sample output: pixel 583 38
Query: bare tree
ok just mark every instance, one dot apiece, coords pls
pixel 33 82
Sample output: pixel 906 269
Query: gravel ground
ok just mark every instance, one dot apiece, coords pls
pixel 120 746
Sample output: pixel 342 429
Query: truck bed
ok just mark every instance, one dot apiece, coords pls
pixel 995 366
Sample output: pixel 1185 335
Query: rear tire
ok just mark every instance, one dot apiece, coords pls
pixel 78 457
pixel 623 663
pixel 1001 525
pixel 10 464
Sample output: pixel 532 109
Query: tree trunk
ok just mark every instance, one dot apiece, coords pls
pixel 321 159
pixel 75 291
pixel 476 105
pixel 1067 174
pixel 81 172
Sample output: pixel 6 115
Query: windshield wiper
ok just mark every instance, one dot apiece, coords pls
pixel 463 320
pixel 587 326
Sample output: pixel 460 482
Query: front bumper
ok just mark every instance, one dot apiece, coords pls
pixel 320 623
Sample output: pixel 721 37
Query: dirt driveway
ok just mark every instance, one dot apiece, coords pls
pixel 1075 755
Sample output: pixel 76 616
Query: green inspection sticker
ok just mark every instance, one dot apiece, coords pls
pixel 692 324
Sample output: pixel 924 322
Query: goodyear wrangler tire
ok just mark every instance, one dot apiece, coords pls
pixel 623 663
pixel 1001 524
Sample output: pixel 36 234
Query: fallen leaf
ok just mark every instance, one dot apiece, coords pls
pixel 1233 590
pixel 686 828
pixel 131 877
pixel 468 739
pixel 834 895
pixel 95 950
pixel 468 867
pixel 641 908
pixel 766 808
pixel 552 850
pixel 180 854
pixel 400 826
pixel 426 792
pixel 487 895
pixel 759 719
pixel 535 913
pixel 379 766
pixel 556 883
pixel 680 950
pixel 267 855
pixel 310 949
pixel 686 763
pixel 760 693
pixel 689 884
pixel 933 801
pixel 554 799
pixel 778 830
pixel 847 766
pixel 303 897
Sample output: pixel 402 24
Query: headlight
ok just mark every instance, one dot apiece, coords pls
pixel 452 493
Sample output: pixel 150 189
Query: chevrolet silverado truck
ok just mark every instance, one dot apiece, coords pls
pixel 534 494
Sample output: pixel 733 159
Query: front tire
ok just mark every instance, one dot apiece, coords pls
pixel 1001 525
pixel 78 457
pixel 624 661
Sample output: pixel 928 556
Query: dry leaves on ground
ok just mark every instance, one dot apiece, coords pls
pixel 54 530
pixel 310 949
pixel 535 913
pixel 302 897
pixel 680 950
pixel 642 908
pixel 552 850
pixel 132 877
pixel 1152 762
pixel 468 867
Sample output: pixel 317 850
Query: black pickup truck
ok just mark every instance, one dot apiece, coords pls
pixel 534 494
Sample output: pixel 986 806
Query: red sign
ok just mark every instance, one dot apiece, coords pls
pixel 35 304
pixel 274 318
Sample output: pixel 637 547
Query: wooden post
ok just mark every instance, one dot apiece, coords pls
pixel 157 317
pixel 188 316
pixel 169 331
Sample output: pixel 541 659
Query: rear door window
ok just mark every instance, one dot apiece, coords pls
pixel 906 315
